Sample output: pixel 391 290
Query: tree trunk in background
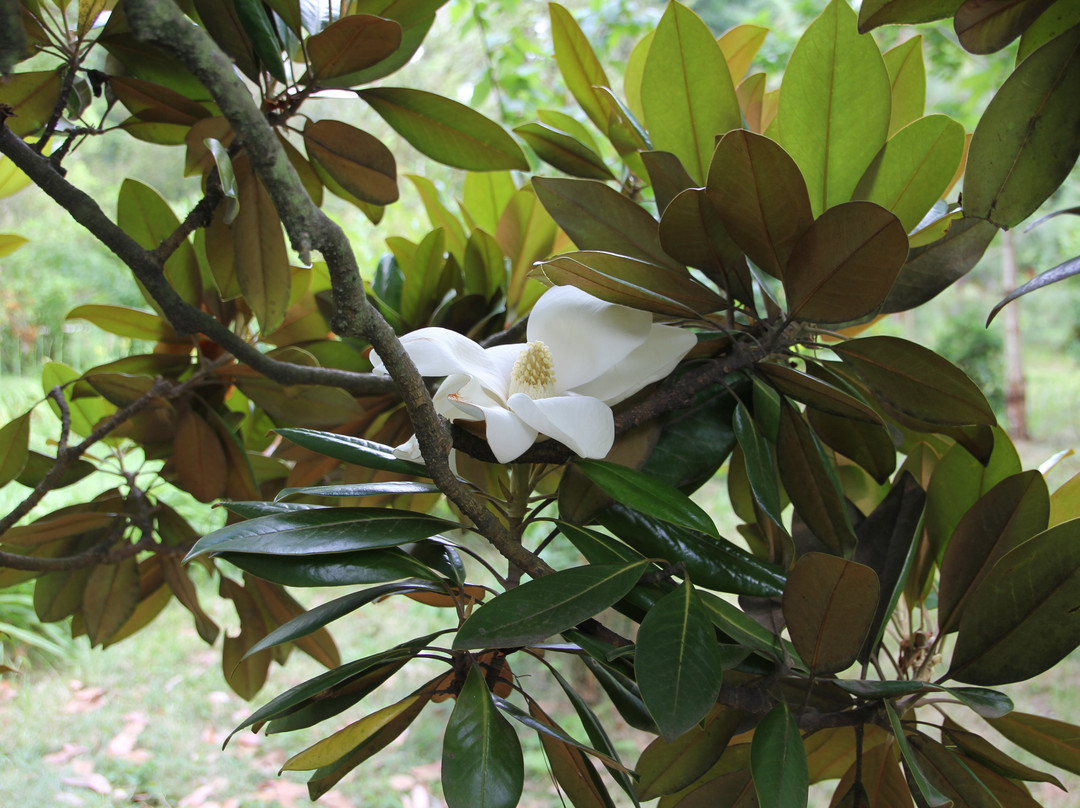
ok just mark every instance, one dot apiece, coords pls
pixel 1015 400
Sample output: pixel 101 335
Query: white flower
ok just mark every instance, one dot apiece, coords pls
pixel 582 356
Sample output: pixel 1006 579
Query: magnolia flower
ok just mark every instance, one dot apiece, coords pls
pixel 583 355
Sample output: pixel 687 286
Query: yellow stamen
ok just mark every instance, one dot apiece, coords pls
pixel 534 372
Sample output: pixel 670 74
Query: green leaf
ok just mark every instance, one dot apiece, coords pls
pixel 817 393
pixel 33 95
pixel 446 130
pixel 552 730
pixel 1009 514
pixel 482 765
pixel 537 609
pixel 1021 620
pixel 256 24
pixel 1066 269
pixel 760 464
pixel 650 496
pixel 580 68
pixel 124 321
pixel 740 45
pixel 1054 741
pixel 1057 19
pixel 778 761
pixel 38 465
pixel 834 105
pixel 597 217
pixel 714 564
pixel 349 45
pixel 147 218
pixel 875 13
pixel 929 793
pixel 975 746
pixel 358 451
pixel 1029 136
pixel 829 606
pixel 907 75
pixel 693 233
pixel 333 569
pixel 677 662
pixel 335 747
pixel 914 168
pixel 686 92
pixel 844 265
pixel 564 152
pixel 262 259
pixel 932 268
pixel 761 197
pixel 14 447
pixel 391 488
pixel 915 381
pixel 667 767
pixel 322 530
pixel 85 412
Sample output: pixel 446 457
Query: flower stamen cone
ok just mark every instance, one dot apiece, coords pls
pixel 534 372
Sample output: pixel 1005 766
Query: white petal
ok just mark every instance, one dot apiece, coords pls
pixel 442 352
pixel 409 450
pixel 583 423
pixel 586 335
pixel 507 435
pixel 653 360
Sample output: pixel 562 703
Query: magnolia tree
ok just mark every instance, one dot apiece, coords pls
pixel 673 292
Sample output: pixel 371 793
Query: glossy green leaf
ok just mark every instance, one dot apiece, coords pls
pixel 711 563
pixel 391 488
pixel 1010 513
pixel 677 662
pixel 778 761
pixel 147 217
pixel 631 282
pixel 358 162
pixel 760 464
pixel 323 530
pixel 667 767
pixel 686 92
pixel 1054 741
pixel 844 265
pixel 14 447
pixel 358 451
pixel 482 765
pixel 761 196
pixel 932 268
pixel 563 151
pixel 913 169
pixel 986 27
pixel 907 75
pixel 834 106
pixel 1021 619
pixel 348 45
pixel 446 130
pixel 580 68
pixel 829 606
pixel 875 13
pixel 537 609
pixel 256 24
pixel 1029 136
pixel 333 569
pixel 811 484
pixel 915 381
pixel 650 496
pixel 597 217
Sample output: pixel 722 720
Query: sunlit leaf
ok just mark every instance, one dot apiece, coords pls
pixel 580 68
pixel 358 451
pixel 739 46
pixel 686 92
pixel 907 75
pixel 33 96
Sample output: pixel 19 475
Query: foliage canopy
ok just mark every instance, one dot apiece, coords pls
pixel 726 235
